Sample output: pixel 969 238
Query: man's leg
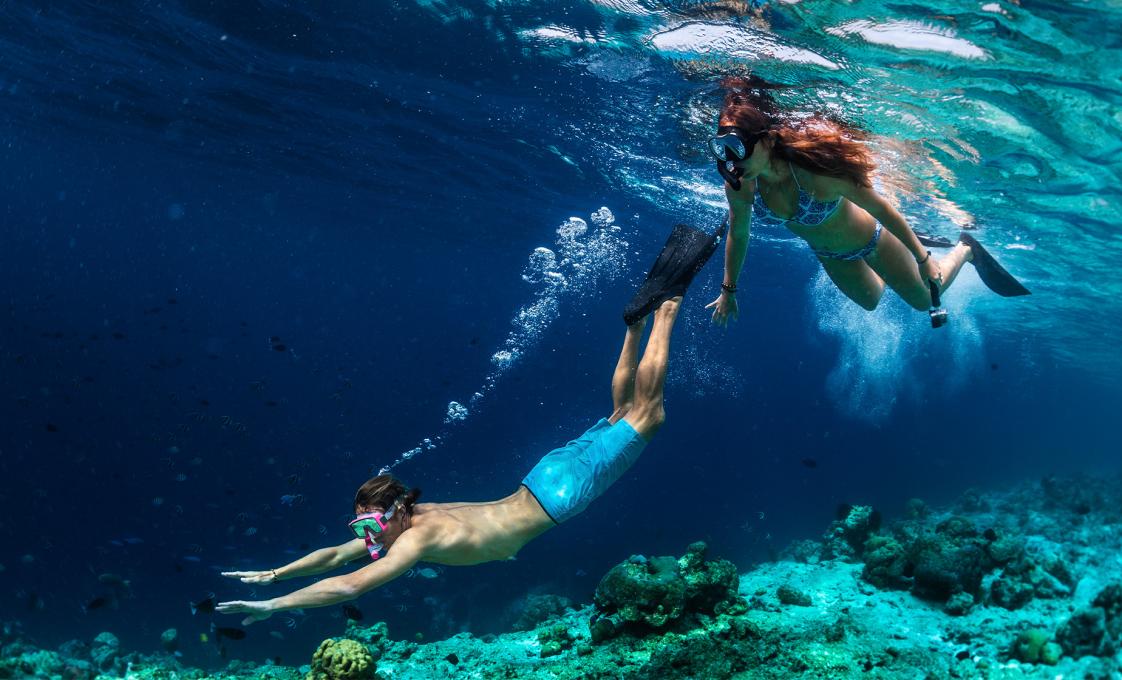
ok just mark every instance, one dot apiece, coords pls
pixel 623 380
pixel 646 413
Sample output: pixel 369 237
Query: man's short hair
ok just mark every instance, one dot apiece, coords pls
pixel 382 491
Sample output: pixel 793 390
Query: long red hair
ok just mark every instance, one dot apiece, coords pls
pixel 820 143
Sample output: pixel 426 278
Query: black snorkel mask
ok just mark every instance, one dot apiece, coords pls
pixel 732 144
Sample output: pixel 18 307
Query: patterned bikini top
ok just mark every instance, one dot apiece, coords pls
pixel 808 212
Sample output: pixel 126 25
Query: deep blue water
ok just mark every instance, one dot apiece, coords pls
pixel 184 182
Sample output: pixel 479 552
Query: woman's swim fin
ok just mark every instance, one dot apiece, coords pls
pixel 990 272
pixel 932 241
pixel 685 253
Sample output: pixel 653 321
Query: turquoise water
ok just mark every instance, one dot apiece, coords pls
pixel 999 116
pixel 375 184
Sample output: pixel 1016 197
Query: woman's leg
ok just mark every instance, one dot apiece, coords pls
pixel 897 266
pixel 854 278
pixel 646 414
pixel 623 380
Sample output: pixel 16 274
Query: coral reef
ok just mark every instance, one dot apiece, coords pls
pixel 105 652
pixel 1019 584
pixel 847 535
pixel 646 591
pixel 645 594
pixel 538 607
pixel 342 659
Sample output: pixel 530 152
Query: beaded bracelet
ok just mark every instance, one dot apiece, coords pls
pixel 925 258
pixel 729 288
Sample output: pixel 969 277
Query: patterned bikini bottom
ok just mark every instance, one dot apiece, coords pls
pixel 851 255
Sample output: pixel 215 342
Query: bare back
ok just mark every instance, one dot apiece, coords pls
pixel 471 533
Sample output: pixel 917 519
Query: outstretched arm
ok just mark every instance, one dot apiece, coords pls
pixel 407 550
pixel 736 248
pixel 315 562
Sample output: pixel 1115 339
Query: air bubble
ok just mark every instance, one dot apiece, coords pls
pixel 581 260
pixel 456 412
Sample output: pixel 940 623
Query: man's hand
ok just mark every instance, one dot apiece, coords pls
pixel 259 577
pixel 258 611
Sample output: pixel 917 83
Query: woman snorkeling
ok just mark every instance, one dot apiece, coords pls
pixel 811 175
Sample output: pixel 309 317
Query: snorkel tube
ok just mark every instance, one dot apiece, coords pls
pixel 731 173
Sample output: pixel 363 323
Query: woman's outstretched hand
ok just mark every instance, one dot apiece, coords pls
pixel 263 578
pixel 724 308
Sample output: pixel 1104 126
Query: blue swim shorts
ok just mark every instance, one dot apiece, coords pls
pixel 567 479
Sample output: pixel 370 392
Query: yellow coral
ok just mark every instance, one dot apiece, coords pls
pixel 342 660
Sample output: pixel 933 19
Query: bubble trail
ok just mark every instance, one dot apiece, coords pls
pixel 581 259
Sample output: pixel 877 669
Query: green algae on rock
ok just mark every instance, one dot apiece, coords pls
pixel 342 659
pixel 644 594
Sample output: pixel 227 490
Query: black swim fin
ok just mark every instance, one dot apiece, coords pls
pixel 933 241
pixel 685 253
pixel 990 272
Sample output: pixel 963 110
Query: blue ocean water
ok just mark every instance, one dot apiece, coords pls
pixel 252 254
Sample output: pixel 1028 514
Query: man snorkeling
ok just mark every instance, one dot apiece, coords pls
pixel 397 532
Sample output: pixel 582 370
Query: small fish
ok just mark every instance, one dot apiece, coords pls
pixel 276 634
pixel 96 603
pixel 114 581
pixel 427 572
pixel 231 633
pixel 810 463
pixel 352 612
pixel 203 638
pixel 204 606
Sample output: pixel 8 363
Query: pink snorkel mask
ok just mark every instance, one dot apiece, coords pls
pixel 369 526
